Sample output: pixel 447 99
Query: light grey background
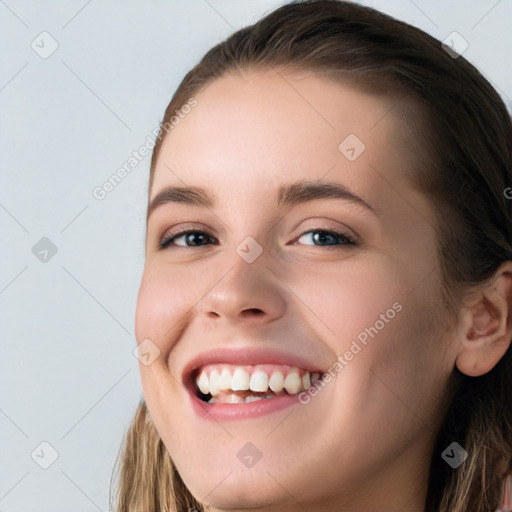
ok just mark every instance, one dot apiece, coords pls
pixel 68 122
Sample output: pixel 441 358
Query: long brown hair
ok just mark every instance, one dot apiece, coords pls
pixel 463 138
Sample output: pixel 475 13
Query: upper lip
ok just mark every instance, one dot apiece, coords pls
pixel 246 356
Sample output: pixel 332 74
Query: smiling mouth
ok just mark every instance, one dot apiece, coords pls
pixel 237 384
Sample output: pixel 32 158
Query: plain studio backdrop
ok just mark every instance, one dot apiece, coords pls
pixel 83 84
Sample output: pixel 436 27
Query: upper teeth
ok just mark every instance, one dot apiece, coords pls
pixel 213 379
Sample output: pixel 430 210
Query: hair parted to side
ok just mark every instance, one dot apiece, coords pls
pixel 462 135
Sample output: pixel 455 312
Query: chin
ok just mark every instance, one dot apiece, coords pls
pixel 224 482
pixel 243 492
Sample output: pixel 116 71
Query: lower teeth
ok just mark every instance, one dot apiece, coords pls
pixel 234 399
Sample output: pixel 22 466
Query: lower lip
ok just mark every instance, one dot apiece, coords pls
pixel 241 411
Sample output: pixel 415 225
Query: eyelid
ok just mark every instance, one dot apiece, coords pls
pixel 327 224
pixel 187 226
pixel 274 226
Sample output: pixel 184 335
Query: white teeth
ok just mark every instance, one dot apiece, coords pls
pixel 203 383
pixel 293 382
pixel 259 381
pixel 233 399
pixel 225 379
pixel 214 382
pixel 240 380
pixel 221 379
pixel 276 382
pixel 249 399
pixel 306 381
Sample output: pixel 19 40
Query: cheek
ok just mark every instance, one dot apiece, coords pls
pixel 345 298
pixel 380 324
pixel 402 368
pixel 164 301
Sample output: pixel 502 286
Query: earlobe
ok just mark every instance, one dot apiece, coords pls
pixel 486 324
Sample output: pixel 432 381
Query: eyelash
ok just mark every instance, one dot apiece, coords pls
pixel 346 239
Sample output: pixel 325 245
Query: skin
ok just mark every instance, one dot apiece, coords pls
pixel 366 439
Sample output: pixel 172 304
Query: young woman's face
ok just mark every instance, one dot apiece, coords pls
pixel 311 253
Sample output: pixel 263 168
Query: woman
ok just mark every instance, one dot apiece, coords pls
pixel 324 318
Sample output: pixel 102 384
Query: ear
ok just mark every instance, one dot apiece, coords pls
pixel 485 328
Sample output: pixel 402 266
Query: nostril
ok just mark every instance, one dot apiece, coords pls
pixel 252 312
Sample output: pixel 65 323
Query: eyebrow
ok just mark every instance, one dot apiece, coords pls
pixel 288 195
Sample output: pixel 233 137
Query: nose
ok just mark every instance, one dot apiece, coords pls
pixel 247 292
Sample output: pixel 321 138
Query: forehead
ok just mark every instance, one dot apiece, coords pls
pixel 265 128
